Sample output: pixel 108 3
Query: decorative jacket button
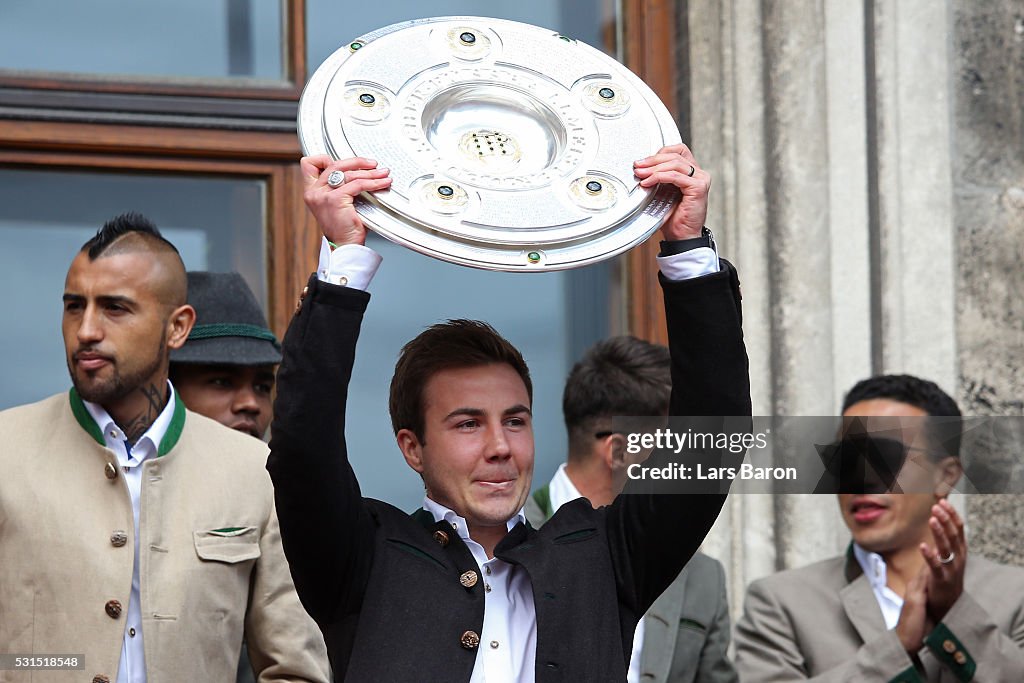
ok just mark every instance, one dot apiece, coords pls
pixel 113 608
pixel 960 658
pixel 949 646
pixel 468 579
pixel 110 471
pixel 118 538
pixel 100 678
pixel 470 640
pixel 441 537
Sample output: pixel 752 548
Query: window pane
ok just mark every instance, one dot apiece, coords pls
pixel 331 24
pixel 45 217
pixel 192 39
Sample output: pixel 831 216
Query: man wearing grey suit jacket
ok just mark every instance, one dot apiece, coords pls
pixel 684 636
pixel 905 604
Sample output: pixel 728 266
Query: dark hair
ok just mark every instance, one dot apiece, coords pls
pixel 447 345
pixel 620 376
pixel 119 226
pixel 921 393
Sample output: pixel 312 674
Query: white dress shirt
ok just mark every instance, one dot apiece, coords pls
pixel 132 667
pixel 561 491
pixel 508 641
pixel 874 568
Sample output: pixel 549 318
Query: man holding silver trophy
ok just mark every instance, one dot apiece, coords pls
pixel 464 589
pixel 509 147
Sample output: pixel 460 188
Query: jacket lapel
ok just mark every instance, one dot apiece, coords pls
pixel 515 540
pixel 425 519
pixel 440 542
pixel 859 601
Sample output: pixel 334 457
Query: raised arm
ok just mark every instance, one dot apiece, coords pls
pixel 653 535
pixel 325 527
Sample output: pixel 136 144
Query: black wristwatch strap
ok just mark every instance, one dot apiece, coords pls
pixel 673 247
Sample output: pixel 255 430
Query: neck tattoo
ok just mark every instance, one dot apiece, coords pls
pixel 156 400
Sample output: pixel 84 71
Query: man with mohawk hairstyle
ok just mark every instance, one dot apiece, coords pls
pixel 139 537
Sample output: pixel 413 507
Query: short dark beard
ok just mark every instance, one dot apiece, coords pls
pixel 120 387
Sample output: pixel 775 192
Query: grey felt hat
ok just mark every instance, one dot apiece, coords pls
pixel 230 328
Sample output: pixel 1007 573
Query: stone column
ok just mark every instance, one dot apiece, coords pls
pixel 988 193
pixel 873 205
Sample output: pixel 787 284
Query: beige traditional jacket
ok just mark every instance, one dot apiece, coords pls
pixel 210 565
pixel 822 623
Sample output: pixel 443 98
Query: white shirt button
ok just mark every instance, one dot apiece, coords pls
pixel 343 281
pixel 494 645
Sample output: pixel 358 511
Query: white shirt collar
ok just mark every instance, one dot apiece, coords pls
pixel 147 444
pixel 876 572
pixel 561 489
pixel 442 513
pixel 873 566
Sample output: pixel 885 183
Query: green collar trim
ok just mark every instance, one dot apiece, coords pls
pixel 169 441
pixel 215 330
pixel 85 420
pixel 542 497
pixel 174 429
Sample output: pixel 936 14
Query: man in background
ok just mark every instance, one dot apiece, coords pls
pixel 904 604
pixel 684 637
pixel 146 535
pixel 225 370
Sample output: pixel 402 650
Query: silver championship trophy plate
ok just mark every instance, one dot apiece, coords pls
pixel 511 147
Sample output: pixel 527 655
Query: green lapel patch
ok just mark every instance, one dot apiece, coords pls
pixel 692 625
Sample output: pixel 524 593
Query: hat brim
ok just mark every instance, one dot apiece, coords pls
pixel 227 351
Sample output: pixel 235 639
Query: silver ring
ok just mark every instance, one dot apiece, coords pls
pixel 948 558
pixel 336 178
pixel 693 169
